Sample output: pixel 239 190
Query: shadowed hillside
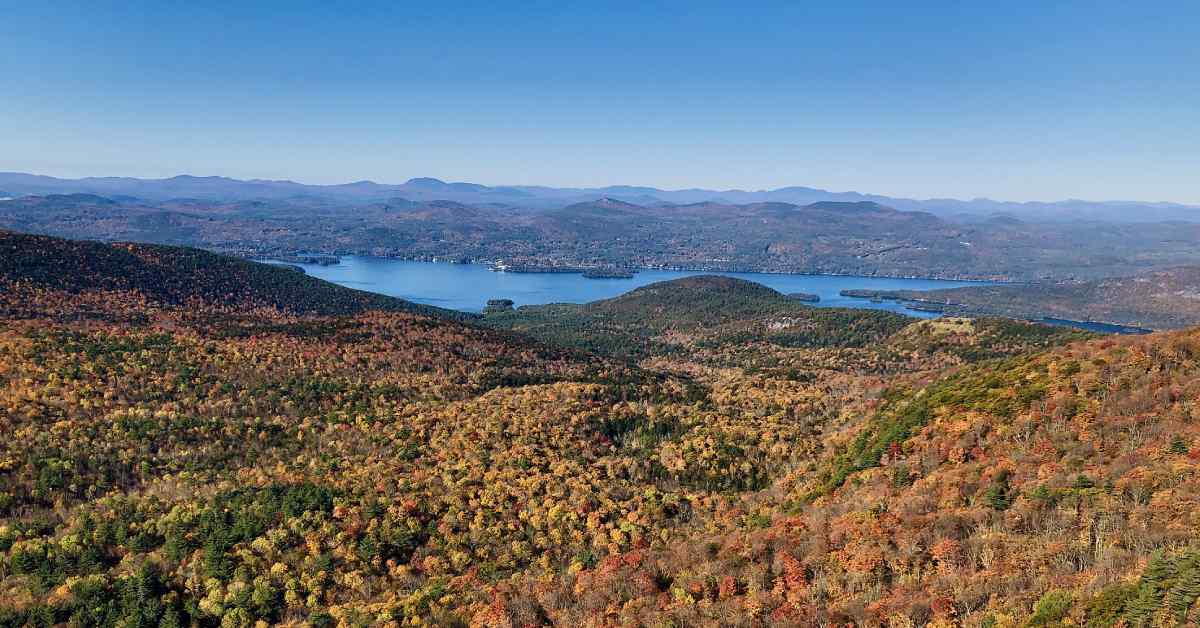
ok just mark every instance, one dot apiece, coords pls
pixel 704 310
pixel 173 276
pixel 723 321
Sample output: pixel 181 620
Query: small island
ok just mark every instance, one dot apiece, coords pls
pixel 874 295
pixel 804 297
pixel 498 306
pixel 927 306
pixel 590 272
pixel 608 273
pixel 501 267
pixel 319 260
pixel 906 298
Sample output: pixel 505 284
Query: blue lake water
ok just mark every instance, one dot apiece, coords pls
pixel 468 286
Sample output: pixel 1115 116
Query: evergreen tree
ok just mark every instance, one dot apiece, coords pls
pixel 997 495
pixel 1187 587
pixel 1155 582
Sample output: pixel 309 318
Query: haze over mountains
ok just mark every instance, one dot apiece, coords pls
pixel 529 196
pixel 533 228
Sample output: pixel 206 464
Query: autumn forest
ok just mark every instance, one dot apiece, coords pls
pixel 197 440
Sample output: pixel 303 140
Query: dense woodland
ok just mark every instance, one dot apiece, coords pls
pixel 197 441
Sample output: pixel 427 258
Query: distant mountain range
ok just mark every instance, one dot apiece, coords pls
pixel 542 197
pixel 828 237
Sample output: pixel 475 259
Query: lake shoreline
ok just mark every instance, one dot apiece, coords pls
pixel 1097 326
pixel 467 287
pixel 948 308
pixel 573 269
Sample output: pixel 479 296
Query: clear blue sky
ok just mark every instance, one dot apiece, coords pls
pixel 1012 100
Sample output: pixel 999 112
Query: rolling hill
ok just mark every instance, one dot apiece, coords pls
pixel 703 311
pixel 304 456
pixel 1051 489
pixel 696 324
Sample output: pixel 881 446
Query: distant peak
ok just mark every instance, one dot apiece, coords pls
pixel 192 177
pixel 426 182
pixel 604 204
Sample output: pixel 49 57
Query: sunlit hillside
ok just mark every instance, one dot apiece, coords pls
pixel 195 440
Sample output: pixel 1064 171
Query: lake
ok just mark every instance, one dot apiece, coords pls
pixel 467 287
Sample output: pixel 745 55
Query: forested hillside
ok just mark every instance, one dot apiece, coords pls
pixel 1057 489
pixel 706 310
pixel 174 276
pixel 725 322
pixel 317 457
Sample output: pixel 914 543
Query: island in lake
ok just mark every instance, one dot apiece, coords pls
pixel 495 306
pixel 589 272
pixel 608 273
pixel 320 260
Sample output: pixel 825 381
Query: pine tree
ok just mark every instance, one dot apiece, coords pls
pixel 1187 587
pixel 1155 582
pixel 997 495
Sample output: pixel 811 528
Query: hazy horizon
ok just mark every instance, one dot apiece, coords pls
pixel 451 180
pixel 1020 102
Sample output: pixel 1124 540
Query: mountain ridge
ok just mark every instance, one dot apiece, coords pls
pixel 421 188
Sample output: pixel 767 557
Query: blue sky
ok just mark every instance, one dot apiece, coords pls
pixel 1014 100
